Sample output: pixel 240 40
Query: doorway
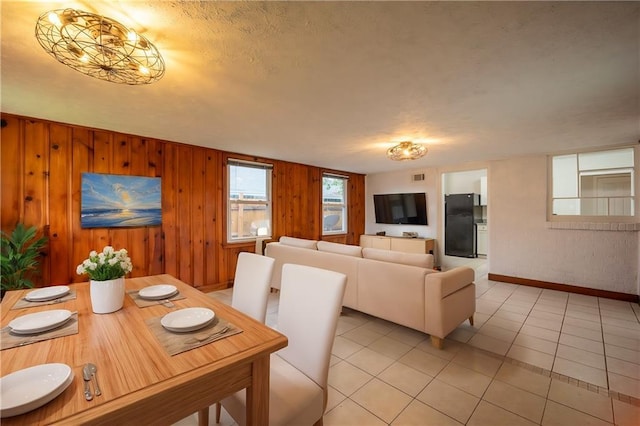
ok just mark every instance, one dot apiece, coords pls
pixel 466 182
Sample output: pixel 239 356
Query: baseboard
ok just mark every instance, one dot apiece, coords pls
pixel 566 287
pixel 214 287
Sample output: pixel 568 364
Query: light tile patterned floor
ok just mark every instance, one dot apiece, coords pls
pixel 533 357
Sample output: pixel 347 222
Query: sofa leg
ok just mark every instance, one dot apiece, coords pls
pixel 471 320
pixel 436 342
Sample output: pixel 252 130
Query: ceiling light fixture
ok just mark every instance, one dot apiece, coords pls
pixel 99 46
pixel 406 151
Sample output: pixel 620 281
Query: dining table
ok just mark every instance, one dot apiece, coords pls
pixel 141 382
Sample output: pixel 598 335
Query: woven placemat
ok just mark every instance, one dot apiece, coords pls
pixel 175 343
pixel 24 303
pixel 143 303
pixel 10 340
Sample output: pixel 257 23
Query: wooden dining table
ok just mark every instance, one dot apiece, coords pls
pixel 140 382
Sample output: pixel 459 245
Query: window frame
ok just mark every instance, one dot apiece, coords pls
pixel 231 162
pixel 551 217
pixel 344 205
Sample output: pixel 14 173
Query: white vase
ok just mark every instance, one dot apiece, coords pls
pixel 107 296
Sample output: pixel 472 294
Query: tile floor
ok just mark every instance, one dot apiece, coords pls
pixel 533 357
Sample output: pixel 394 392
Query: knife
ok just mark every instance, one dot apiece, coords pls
pixel 86 374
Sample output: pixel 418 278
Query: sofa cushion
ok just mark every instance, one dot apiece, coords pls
pixel 411 259
pixel 345 249
pixel 347 265
pixel 392 291
pixel 299 242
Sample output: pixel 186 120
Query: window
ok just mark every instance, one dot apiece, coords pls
pixel 334 204
pixel 249 200
pixel 593 183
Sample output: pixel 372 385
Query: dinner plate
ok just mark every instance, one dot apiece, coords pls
pixel 39 321
pixel 160 291
pixel 187 319
pixel 47 293
pixel 30 388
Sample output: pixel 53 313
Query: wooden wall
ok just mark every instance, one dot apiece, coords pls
pixel 41 165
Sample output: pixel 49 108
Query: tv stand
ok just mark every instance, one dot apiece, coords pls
pixel 403 244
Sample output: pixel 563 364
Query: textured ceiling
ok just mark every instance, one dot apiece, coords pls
pixel 334 84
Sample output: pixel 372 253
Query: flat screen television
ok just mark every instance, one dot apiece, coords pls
pixel 406 209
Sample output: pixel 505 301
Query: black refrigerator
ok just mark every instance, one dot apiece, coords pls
pixel 462 212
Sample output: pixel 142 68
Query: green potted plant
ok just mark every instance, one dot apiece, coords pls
pixel 19 257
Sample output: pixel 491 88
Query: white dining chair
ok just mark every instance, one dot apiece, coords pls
pixel 310 304
pixel 251 287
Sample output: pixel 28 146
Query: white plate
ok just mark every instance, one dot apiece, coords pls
pixel 160 291
pixel 187 319
pixel 47 293
pixel 28 389
pixel 39 321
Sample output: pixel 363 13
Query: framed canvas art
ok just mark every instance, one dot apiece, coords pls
pixel 114 201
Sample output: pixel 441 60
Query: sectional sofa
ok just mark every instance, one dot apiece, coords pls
pixel 398 287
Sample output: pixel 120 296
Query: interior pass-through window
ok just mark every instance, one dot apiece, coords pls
pixel 596 184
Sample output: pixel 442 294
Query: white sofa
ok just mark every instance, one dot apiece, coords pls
pixel 398 287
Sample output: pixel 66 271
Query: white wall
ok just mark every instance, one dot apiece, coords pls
pixel 463 182
pixel 522 244
pixel 398 182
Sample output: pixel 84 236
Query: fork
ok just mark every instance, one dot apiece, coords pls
pixel 202 338
pixel 168 303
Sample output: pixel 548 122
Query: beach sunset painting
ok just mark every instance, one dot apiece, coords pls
pixel 109 201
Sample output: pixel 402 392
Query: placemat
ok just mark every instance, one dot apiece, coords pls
pixel 24 303
pixel 9 340
pixel 143 303
pixel 175 343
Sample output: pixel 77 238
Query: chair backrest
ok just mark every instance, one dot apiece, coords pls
pixel 251 285
pixel 310 304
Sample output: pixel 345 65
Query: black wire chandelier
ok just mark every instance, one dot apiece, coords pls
pixel 99 46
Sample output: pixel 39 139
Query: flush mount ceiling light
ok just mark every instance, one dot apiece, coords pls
pixel 406 151
pixel 99 46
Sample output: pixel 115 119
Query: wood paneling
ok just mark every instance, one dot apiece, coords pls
pixel 12 157
pixel 82 242
pixel 212 202
pixel 42 163
pixel 60 235
pixel 35 181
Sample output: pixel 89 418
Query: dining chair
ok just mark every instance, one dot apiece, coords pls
pixel 251 287
pixel 310 304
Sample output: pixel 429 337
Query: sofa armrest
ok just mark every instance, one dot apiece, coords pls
pixel 442 284
pixel 450 299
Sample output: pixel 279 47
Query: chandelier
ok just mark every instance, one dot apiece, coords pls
pixel 406 151
pixel 99 46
